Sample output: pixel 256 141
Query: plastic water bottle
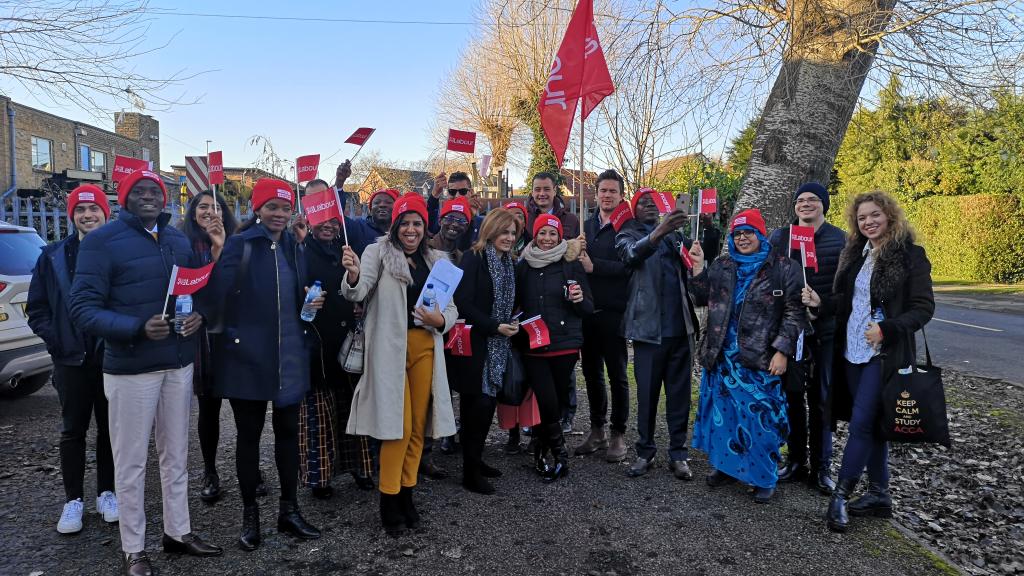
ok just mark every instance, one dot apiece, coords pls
pixel 182 309
pixel 308 312
pixel 877 315
pixel 429 297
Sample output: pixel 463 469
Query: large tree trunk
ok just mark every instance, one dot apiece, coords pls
pixel 832 47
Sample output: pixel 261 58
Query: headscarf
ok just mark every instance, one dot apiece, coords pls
pixel 747 265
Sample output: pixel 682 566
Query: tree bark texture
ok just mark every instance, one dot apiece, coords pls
pixel 832 48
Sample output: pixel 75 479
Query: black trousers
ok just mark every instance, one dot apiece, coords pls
pixel 80 391
pixel 209 431
pixel 250 416
pixel 669 364
pixel 549 380
pixel 604 348
pixel 476 413
pixel 807 421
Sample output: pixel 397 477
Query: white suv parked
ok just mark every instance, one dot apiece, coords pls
pixel 25 366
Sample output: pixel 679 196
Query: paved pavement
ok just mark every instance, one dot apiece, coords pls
pixel 984 342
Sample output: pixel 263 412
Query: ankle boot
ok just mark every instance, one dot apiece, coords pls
pixel 250 538
pixel 556 442
pixel 391 514
pixel 408 508
pixel 875 502
pixel 290 521
pixel 540 462
pixel 821 480
pixel 837 517
pixel 596 440
pixel 616 448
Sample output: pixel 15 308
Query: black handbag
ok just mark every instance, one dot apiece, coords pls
pixel 914 403
pixel 513 384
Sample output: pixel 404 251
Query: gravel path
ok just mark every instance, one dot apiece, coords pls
pixel 595 522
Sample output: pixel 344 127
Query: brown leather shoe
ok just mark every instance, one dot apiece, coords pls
pixel 190 544
pixel 597 440
pixel 616 447
pixel 431 470
pixel 138 564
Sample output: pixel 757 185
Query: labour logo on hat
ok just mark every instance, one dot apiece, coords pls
pixel 284 194
pixel 739 221
pixel 458 208
pixel 86 197
pixel 552 222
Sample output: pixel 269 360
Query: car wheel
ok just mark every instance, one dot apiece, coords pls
pixel 24 387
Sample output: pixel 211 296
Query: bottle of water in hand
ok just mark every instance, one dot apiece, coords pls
pixel 308 312
pixel 429 297
pixel 182 310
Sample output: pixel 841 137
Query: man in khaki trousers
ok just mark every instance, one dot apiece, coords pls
pixel 119 294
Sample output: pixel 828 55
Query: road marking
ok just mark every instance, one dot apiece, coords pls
pixel 968 325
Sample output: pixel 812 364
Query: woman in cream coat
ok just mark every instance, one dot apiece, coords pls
pixel 397 402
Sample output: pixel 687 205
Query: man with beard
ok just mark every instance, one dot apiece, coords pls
pixel 459 186
pixel 660 321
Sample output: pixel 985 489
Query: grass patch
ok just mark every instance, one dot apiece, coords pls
pixel 955 286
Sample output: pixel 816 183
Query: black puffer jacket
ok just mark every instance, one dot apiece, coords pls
pixel 828 244
pixel 610 278
pixel 771 316
pixel 540 291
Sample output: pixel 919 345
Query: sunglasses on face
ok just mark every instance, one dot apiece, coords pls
pixel 458 191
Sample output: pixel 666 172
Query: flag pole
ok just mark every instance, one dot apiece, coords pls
pixel 700 205
pixel 803 261
pixel 298 200
pixel 582 206
pixel 358 151
pixel 170 288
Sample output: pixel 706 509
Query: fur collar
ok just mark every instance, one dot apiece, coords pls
pixel 889 274
pixel 393 260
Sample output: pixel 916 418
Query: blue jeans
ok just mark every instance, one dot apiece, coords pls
pixel 864 448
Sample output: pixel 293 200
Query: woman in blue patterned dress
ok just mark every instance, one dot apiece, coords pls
pixel 754 323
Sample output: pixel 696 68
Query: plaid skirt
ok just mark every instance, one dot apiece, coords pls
pixel 325 450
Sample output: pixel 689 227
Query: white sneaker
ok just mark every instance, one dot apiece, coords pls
pixel 71 517
pixel 106 506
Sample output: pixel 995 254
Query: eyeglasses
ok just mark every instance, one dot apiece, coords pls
pixel 458 191
pixel 454 219
pixel 814 200
pixel 743 234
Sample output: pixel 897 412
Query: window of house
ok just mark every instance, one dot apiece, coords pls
pixel 145 154
pixel 99 161
pixel 42 154
pixel 84 158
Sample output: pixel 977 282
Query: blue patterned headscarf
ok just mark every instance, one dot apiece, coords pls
pixel 747 264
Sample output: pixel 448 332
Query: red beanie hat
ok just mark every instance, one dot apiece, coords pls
pixel 640 194
pixel 410 202
pixel 460 205
pixel 517 205
pixel 85 194
pixel 548 220
pixel 267 189
pixel 132 179
pixel 750 217
pixel 390 192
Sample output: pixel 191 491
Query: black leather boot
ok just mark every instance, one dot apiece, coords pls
pixel 391 514
pixel 211 488
pixel 837 517
pixel 540 461
pixel 821 479
pixel 875 502
pixel 793 472
pixel 408 508
pixel 290 521
pixel 560 455
pixel 250 538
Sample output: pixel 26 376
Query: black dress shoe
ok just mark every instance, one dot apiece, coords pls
pixel 190 544
pixel 793 472
pixel 138 564
pixel 488 471
pixel 763 495
pixel 822 481
pixel 290 521
pixel 322 492
pixel 680 469
pixel 449 445
pixel 718 478
pixel 250 537
pixel 875 502
pixel 211 488
pixel 837 517
pixel 640 467
pixel 431 470
pixel 408 508
pixel 261 486
pixel 363 481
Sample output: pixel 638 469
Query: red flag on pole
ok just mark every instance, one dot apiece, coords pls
pixel 123 166
pixel 216 162
pixel 360 136
pixel 578 71
pixel 802 238
pixel 808 256
pixel 685 255
pixel 306 167
pixel 663 200
pixel 323 206
pixel 461 141
pixel 620 216
pixel 709 201
pixel 189 280
pixel 537 331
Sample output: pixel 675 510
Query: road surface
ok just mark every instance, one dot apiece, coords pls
pixel 986 343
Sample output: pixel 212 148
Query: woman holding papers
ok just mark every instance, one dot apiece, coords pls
pixel 394 398
pixel 551 287
pixel 485 298
pixel 754 321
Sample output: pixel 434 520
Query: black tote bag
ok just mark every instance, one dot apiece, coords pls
pixel 914 403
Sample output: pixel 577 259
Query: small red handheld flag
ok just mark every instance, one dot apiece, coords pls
pixel 216 162
pixel 458 339
pixel 189 280
pixel 306 167
pixel 685 255
pixel 808 256
pixel 537 331
pixel 123 166
pixel 664 201
pixel 323 206
pixel 461 141
pixel 360 136
pixel 620 216
pixel 709 201
pixel 801 235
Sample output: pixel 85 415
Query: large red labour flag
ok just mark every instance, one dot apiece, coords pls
pixel 123 166
pixel 323 206
pixel 216 162
pixel 578 71
pixel 306 167
pixel 360 136
pixel 461 141
pixel 189 280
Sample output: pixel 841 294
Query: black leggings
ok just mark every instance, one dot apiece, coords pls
pixel 549 379
pixel 209 431
pixel 250 416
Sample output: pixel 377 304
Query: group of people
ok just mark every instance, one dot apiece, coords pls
pixel 782 357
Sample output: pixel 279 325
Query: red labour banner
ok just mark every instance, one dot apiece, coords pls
pixel 216 162
pixel 461 141
pixel 306 167
pixel 620 216
pixel 537 331
pixel 458 339
pixel 360 136
pixel 578 71
pixel 322 206
pixel 123 166
pixel 663 200
pixel 189 280
pixel 709 201
pixel 808 256
pixel 802 238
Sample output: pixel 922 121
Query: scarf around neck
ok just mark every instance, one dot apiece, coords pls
pixel 538 258
pixel 747 265
pixel 498 347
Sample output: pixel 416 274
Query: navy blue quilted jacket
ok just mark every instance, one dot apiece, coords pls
pixel 120 282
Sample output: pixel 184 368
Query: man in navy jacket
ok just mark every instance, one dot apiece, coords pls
pixel 77 362
pixel 364 231
pixel 119 294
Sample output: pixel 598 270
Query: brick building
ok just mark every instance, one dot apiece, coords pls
pixel 55 153
pixel 238 182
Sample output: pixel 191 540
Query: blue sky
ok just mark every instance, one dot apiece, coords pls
pixel 306 85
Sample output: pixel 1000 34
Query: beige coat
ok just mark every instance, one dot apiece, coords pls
pixel 379 401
